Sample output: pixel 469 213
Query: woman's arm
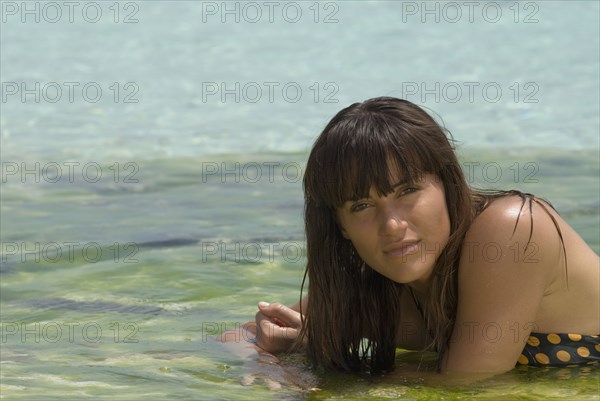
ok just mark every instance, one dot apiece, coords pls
pixel 260 363
pixel 503 275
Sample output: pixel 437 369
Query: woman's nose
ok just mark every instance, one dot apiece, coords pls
pixel 393 224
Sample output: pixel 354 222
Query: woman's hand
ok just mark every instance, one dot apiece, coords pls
pixel 277 327
pixel 261 366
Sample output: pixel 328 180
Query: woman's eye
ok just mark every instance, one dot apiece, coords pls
pixel 357 207
pixel 407 190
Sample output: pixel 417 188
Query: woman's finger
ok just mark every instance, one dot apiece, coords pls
pixel 280 314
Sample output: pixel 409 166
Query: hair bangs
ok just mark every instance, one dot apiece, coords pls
pixel 379 155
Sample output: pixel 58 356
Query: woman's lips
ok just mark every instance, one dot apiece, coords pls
pixel 402 249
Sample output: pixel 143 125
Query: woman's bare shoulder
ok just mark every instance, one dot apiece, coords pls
pixel 509 257
pixel 530 225
pixel 533 246
pixel 528 228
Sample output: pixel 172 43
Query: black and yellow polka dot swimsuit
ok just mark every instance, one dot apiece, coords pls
pixel 558 349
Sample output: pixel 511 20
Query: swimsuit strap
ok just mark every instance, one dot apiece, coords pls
pixel 417 303
pixel 429 332
pixel 421 312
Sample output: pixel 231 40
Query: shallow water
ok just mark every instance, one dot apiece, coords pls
pixel 140 322
pixel 114 286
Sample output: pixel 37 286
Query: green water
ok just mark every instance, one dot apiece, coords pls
pixel 184 254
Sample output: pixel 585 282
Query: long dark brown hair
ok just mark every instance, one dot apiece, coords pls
pixel 353 312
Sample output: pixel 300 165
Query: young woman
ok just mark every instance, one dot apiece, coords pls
pixel 403 254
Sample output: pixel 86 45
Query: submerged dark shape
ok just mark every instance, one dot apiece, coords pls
pixel 91 306
pixel 169 243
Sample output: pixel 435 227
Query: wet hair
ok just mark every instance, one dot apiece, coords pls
pixel 353 313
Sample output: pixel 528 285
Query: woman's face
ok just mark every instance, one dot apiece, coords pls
pixel 400 235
